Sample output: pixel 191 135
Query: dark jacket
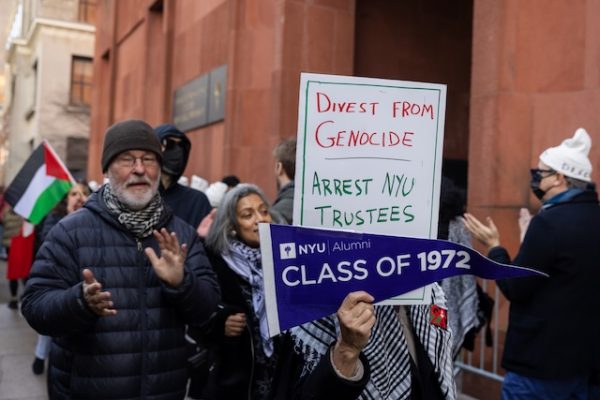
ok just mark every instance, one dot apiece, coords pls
pixel 139 353
pixel 47 225
pixel 284 203
pixel 231 374
pixel 553 330
pixel 42 229
pixel 189 204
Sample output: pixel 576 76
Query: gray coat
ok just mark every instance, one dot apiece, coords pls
pixel 284 203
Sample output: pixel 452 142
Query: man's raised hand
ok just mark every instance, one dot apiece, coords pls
pixel 487 234
pixel 98 301
pixel 169 266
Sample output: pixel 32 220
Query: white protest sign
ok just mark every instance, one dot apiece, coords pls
pixel 369 157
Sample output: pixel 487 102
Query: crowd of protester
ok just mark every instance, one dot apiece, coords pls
pixel 151 289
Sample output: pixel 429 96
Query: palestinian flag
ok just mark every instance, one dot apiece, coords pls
pixel 40 184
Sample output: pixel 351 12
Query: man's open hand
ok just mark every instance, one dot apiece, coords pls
pixel 169 266
pixel 98 301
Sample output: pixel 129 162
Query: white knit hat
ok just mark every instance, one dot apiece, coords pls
pixel 570 158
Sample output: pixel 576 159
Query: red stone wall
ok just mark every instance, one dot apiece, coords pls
pixel 536 78
pixel 101 98
pixel 424 41
pixel 265 44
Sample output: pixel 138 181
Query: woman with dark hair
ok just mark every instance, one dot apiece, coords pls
pixel 72 201
pixel 362 352
pixel 248 363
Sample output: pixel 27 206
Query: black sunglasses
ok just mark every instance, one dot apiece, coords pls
pixel 537 172
pixel 169 142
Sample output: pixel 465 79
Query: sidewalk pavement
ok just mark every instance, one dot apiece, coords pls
pixel 17 344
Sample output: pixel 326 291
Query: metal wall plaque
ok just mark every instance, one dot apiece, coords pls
pixel 190 104
pixel 216 95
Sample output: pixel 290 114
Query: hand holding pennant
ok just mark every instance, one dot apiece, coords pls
pixel 308 272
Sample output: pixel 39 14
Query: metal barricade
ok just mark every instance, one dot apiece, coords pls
pixel 482 362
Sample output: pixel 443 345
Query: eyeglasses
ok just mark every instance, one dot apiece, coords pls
pixel 128 161
pixel 536 173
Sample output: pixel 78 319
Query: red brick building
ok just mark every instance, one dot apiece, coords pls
pixel 521 76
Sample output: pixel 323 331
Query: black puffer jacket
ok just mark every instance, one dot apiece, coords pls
pixel 140 352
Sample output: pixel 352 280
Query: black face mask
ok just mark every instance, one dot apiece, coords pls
pixel 536 179
pixel 535 188
pixel 174 160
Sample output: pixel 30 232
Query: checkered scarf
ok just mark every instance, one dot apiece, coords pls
pixel 386 351
pixel 141 222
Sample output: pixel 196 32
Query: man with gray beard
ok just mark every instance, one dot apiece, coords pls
pixel 116 282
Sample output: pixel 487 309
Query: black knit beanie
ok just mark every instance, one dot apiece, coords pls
pixel 132 134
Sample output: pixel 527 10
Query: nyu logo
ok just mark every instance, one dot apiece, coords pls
pixel 312 248
pixel 287 251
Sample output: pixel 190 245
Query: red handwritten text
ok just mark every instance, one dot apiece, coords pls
pixel 355 138
pixel 325 104
pixel 407 109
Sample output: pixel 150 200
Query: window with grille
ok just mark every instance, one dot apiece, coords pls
pixel 81 81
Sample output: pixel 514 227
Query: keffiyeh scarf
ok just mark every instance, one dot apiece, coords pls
pixel 386 351
pixel 461 293
pixel 140 223
pixel 246 262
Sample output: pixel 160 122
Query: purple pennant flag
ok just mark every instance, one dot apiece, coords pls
pixel 308 272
